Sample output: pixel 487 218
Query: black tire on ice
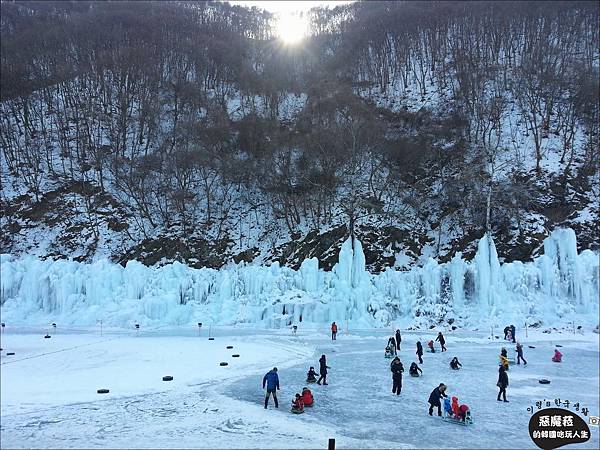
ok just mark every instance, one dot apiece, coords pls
pixel 229 347
pixel 102 391
pixel 235 355
pixel 10 353
pixel 223 364
pixel 167 378
pixel 544 381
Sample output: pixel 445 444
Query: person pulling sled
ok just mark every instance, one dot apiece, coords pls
pixel 440 338
pixel 434 399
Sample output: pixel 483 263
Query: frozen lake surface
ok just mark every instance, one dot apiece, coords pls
pixel 49 397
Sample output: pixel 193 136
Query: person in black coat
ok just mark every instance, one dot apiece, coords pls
pixel 506 328
pixel 398 339
pixel 442 341
pixel 513 331
pixel 455 364
pixel 502 383
pixel 323 370
pixel 397 368
pixel 392 344
pixel 420 352
pixel 415 370
pixel 434 398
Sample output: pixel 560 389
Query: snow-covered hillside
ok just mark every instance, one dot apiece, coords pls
pixel 558 287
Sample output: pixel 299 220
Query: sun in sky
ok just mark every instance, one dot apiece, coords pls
pixel 292 19
pixel 291 27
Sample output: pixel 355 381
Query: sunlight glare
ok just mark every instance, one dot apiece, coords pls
pixel 292 27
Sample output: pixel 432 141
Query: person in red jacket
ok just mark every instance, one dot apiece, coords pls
pixel 462 412
pixel 557 356
pixel 307 397
pixel 333 331
pixel 298 404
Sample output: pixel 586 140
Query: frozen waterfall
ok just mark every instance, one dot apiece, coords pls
pixel 557 287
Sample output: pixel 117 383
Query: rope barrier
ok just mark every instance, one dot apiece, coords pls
pixel 123 333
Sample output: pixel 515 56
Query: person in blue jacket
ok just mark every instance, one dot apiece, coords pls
pixel 271 379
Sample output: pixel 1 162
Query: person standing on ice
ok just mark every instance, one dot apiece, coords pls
pixel 506 328
pixel 434 398
pixel 502 383
pixel 333 331
pixel 271 379
pixel 520 354
pixel 420 352
pixel 442 341
pixel 513 331
pixel 397 368
pixel 323 370
pixel 398 339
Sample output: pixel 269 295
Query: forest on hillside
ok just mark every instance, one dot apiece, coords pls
pixel 187 130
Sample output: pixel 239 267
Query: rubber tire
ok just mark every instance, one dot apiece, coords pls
pixel 558 345
pixel 235 355
pixel 544 381
pixel 10 353
pixel 102 391
pixel 531 346
pixel 211 339
pixel 229 347
pixel 223 364
pixel 47 336
pixel 167 378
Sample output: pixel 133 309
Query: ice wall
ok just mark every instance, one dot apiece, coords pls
pixel 559 286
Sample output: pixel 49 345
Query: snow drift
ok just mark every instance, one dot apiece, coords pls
pixel 559 287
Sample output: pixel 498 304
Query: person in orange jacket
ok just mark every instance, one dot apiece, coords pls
pixel 455 407
pixel 333 331
pixel 307 397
